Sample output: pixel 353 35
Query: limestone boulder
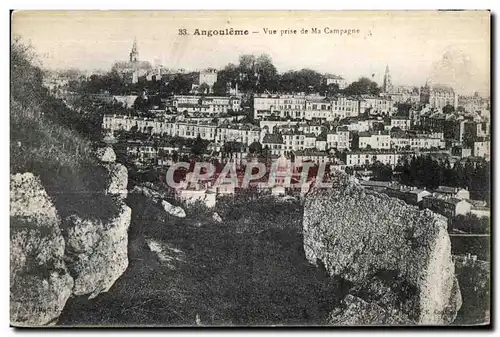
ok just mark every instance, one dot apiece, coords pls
pixel 393 254
pixel 216 217
pixel 355 312
pixel 39 280
pixel 173 210
pixel 117 180
pixel 106 154
pixel 96 251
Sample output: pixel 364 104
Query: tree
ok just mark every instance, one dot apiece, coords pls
pixel 363 86
pixel 331 90
pixel 304 80
pixel 199 146
pixel 255 147
pixel 257 74
pixel 448 109
pixel 403 109
pixel 204 88
pixel 179 85
pixel 381 172
pixel 226 78
pixel 378 126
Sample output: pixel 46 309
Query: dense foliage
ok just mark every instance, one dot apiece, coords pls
pixel 252 74
pixel 423 171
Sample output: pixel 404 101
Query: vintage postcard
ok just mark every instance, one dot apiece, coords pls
pixel 250 168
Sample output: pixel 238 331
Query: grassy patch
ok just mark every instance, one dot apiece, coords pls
pixel 63 160
pixel 228 275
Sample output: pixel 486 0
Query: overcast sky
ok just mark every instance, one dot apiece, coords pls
pixel 451 47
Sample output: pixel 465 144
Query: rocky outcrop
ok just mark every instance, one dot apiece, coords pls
pixel 173 210
pixel 158 198
pixel 394 255
pixel 52 258
pixel 106 154
pixel 117 181
pixel 39 280
pixel 96 251
pixel 216 217
pixel 355 311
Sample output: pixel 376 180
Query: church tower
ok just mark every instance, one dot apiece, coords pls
pixel 387 86
pixel 134 54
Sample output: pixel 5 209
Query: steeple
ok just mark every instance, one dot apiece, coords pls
pixel 387 86
pixel 134 54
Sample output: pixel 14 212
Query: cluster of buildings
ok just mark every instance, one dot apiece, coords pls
pixel 447 201
pixel 133 69
pixel 342 131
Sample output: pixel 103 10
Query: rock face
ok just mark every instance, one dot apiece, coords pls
pixel 39 281
pixel 395 256
pixel 355 311
pixel 52 258
pixel 216 217
pixel 106 154
pixel 96 252
pixel 157 197
pixel 118 180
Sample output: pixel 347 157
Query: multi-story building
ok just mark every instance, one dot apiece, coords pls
pixel 375 140
pixel 453 192
pixel 449 207
pixel 293 140
pixel 361 125
pixel 482 149
pixel 311 155
pixel 402 122
pixel 243 133
pixel 361 158
pixel 335 79
pixel 305 107
pixel 339 139
pixel 412 141
pixel 279 106
pixel 377 105
pixel 309 141
pixel 273 143
pixel 344 107
pixel 405 94
pixel 438 96
pixel 213 105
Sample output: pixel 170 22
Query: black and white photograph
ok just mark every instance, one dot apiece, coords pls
pixel 250 168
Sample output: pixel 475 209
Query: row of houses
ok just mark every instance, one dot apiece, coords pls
pixel 315 107
pixel 212 105
pixel 386 140
pixel 237 132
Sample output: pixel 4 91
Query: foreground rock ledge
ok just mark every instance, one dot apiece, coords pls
pixel 40 283
pixel 397 258
pixel 52 259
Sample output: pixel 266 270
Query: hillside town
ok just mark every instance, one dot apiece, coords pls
pixel 374 133
pixel 191 177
